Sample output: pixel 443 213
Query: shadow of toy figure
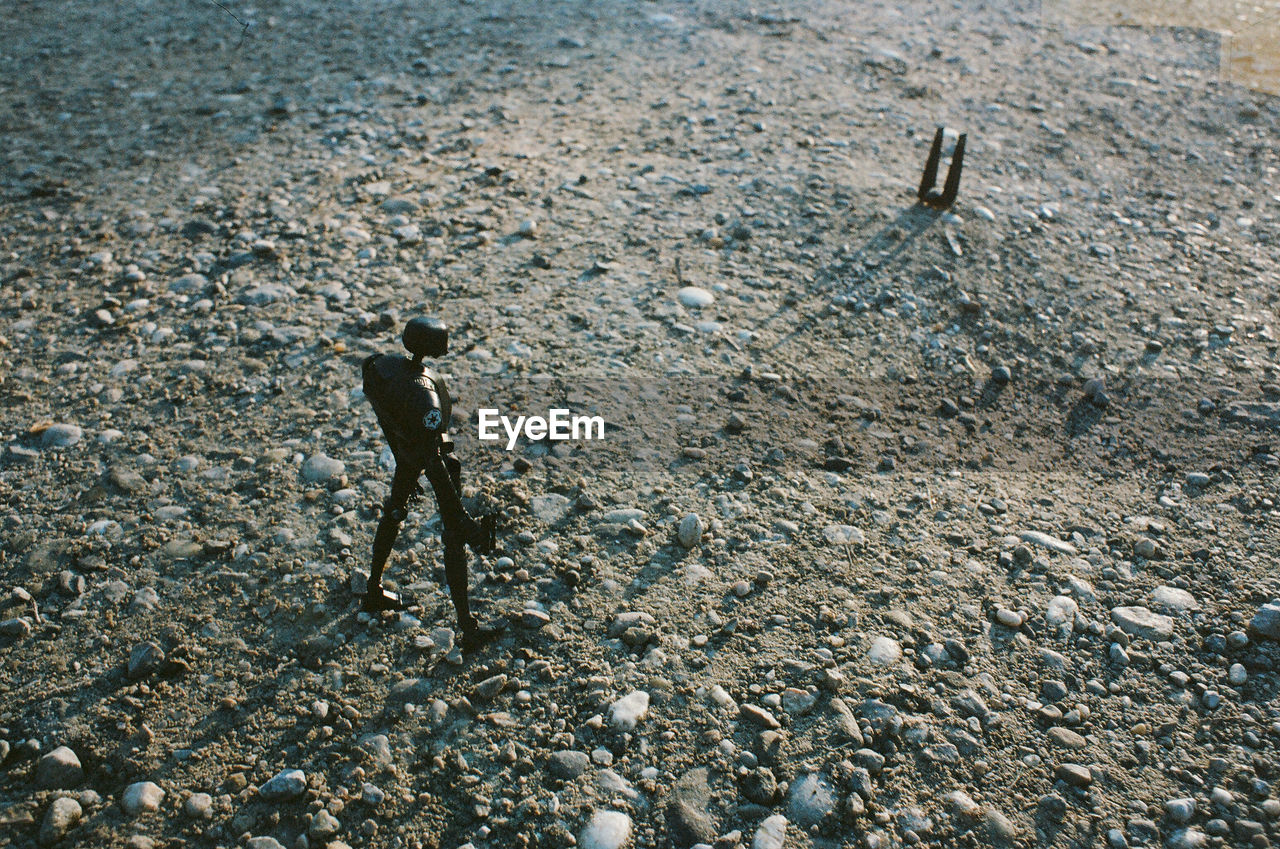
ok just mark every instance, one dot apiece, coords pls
pixel 413 408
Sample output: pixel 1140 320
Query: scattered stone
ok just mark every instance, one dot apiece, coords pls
pixel 688 820
pixel 759 716
pixel 607 830
pixel 695 297
pixel 60 436
pixel 1181 810
pixel 811 800
pixel 59 770
pixel 1009 618
pixel 1141 622
pixel 1047 541
pixel 323 825
pixel 689 532
pixel 1067 738
pixel 198 806
pixel 1074 774
pixel 550 509
pixel 491 686
pixel 625 712
pixel 144 660
pixel 319 468
pixel 844 535
pixel 569 764
pixel 1173 600
pixel 1266 622
pixel 142 797
pixel 771 834
pixel 285 786
pixel 63 815
pixel 884 651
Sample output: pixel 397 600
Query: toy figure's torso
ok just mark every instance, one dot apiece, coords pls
pixel 411 402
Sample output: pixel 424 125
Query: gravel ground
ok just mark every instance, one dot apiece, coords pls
pixel 908 528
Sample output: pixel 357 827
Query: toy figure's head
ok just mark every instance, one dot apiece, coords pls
pixel 426 337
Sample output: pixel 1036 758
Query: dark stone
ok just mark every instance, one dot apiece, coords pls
pixel 688 820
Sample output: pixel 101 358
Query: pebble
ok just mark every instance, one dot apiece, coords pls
pixel 689 531
pixel 962 804
pixel 688 819
pixel 59 770
pixel 550 508
pixel 625 712
pixel 198 806
pixel 263 843
pixel 695 297
pixel 884 651
pixel 1000 375
pixel 1145 547
pixel 1141 622
pixel 1181 810
pixel 606 830
pixel 1061 612
pixel 1000 829
pixel 1197 479
pixel 1237 675
pixel 759 716
pixel 61 436
pixel 1074 774
pixel 18 627
pixel 1188 838
pixel 323 825
pixel 568 765
pixel 1048 541
pixel 1266 622
pixel 1173 600
pixel 320 468
pixel 144 659
pixel 141 797
pixel 1067 738
pixel 491 686
pixel 1009 618
pixel 285 786
pixel 771 834
pixel 843 535
pixel 63 815
pixel 811 800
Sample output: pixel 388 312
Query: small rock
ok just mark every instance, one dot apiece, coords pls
pixel 1067 738
pixel 962 804
pixel 843 535
pixel 59 770
pixel 689 532
pixel 1141 622
pixel 625 712
pixel 688 820
pixel 1000 829
pixel 568 765
pixel 1173 600
pixel 1146 548
pixel 771 834
pixel 263 843
pixel 1266 622
pixel 198 806
pixel 811 800
pixel 1181 810
pixel 1047 541
pixel 884 651
pixel 323 825
pixel 1074 774
pixel 550 508
pixel 695 297
pixel 759 716
pixel 490 687
pixel 319 468
pixel 63 815
pixel 1001 375
pixel 144 660
pixel 18 627
pixel 286 785
pixel 1197 479
pixel 60 436
pixel 1009 618
pixel 607 830
pixel 142 797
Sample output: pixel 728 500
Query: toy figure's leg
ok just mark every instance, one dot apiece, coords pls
pixel 445 475
pixel 403 486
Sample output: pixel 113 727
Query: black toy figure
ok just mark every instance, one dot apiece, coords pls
pixel 413 408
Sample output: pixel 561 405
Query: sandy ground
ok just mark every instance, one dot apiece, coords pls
pixel 983 547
